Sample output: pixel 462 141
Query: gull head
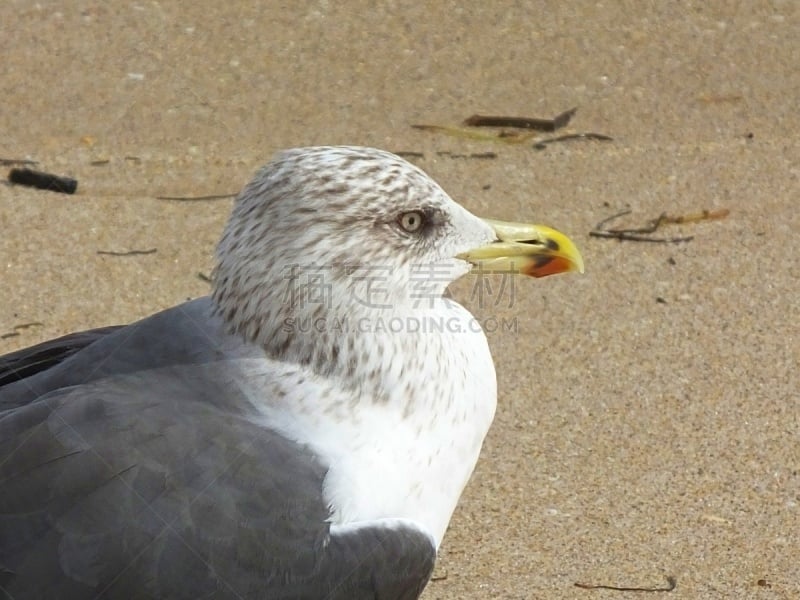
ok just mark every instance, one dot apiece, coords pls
pixel 327 231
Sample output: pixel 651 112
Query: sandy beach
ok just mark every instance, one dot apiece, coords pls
pixel 648 424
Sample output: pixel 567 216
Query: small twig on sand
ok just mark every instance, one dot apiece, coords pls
pixel 672 583
pixel 479 155
pixel 514 130
pixel 128 253
pixel 643 234
pixel 10 162
pixel 600 137
pixel 20 327
pixel 196 198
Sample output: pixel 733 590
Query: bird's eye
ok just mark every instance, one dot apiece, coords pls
pixel 412 221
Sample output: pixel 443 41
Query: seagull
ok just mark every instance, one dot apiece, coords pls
pixel 304 432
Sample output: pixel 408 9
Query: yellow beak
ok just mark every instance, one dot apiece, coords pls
pixel 534 250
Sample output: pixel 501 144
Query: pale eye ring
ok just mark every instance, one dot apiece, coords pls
pixel 412 221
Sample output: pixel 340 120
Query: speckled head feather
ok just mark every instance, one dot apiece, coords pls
pixel 317 236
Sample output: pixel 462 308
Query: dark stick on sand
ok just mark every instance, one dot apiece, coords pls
pixel 43 181
pixel 522 122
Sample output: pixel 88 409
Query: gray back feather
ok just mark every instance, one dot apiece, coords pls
pixel 132 469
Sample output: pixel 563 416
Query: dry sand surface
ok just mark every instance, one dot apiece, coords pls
pixel 648 423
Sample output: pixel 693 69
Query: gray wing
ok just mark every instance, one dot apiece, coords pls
pixel 30 361
pixel 153 482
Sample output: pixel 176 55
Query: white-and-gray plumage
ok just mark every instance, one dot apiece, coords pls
pixel 305 432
